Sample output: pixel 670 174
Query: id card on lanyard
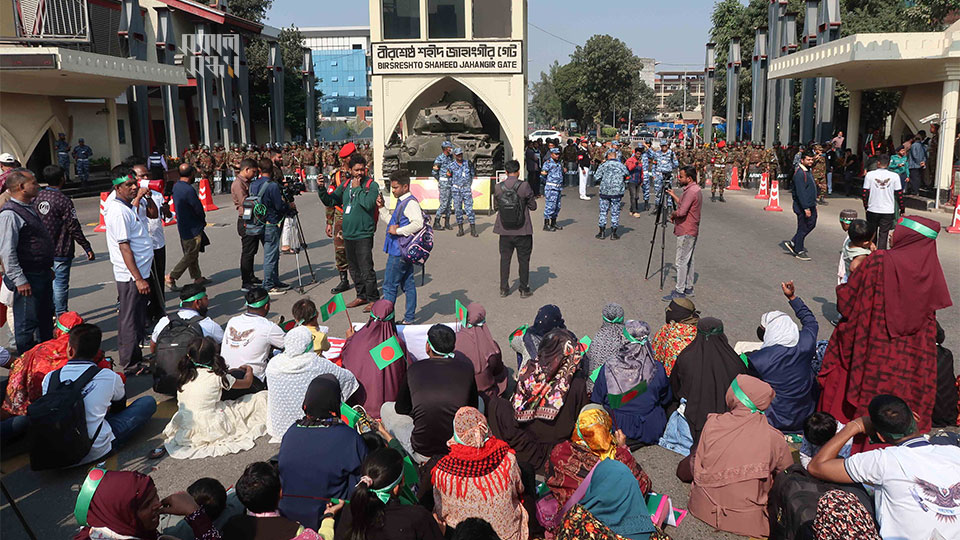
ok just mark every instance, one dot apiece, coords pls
pixel 349 204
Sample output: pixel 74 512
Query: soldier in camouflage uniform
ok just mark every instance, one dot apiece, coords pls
pixel 204 161
pixel 251 153
pixel 330 162
pixel 234 157
pixel 286 160
pixel 334 227
pixel 308 162
pixel 719 169
pixel 820 172
pixel 189 155
pixel 219 167
pixel 367 153
pixel 700 163
pixel 771 165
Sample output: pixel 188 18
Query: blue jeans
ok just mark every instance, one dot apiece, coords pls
pixel 271 256
pixel 400 273
pixel 61 283
pixel 804 226
pixel 13 428
pixel 33 315
pixel 126 422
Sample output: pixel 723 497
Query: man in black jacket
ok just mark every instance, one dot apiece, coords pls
pixel 804 205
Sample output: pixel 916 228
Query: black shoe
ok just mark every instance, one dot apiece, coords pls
pixel 646 206
pixel 436 222
pixel 344 284
pixel 713 197
pixel 473 230
pixel 446 223
pixel 504 293
pixel 247 286
pixel 256 281
pixel 526 293
pixel 789 245
pixel 615 236
pixel 599 235
pixel 721 199
pixel 460 229
pixel 547 226
pixel 553 223
pixel 803 256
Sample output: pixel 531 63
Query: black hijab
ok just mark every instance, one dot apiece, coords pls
pixel 703 373
pixel 322 399
pixel 548 318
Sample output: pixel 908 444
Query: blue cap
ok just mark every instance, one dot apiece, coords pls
pixel 446 144
pixel 616 142
pixel 458 151
pixel 554 150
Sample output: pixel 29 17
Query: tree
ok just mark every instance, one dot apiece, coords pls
pixel 608 76
pixel 544 103
pixel 294 98
pixel 675 102
pixel 251 10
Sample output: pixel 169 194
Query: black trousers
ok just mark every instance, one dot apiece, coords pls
pixel 360 260
pixel 156 302
pixel 883 222
pixel 524 246
pixel 131 323
pixel 633 190
pixel 913 184
pixel 248 251
pixel 257 386
pixel 533 178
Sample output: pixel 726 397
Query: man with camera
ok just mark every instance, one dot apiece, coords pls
pixel 686 226
pixel 271 197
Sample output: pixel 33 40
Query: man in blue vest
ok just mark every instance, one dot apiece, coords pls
pixel 405 220
pixel 26 251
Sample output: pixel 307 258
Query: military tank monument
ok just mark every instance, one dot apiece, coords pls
pixel 458 122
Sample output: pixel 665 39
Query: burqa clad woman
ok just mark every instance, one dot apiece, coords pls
pixel 377 386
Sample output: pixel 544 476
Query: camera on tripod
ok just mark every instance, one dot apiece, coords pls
pixel 291 188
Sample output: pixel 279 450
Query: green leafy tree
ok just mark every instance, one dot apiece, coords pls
pixel 674 102
pixel 294 98
pixel 251 10
pixel 544 104
pixel 608 76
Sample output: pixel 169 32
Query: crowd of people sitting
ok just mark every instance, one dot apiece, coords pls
pixel 457 441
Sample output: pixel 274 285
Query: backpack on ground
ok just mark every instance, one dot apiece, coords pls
pixel 254 213
pixel 416 248
pixel 58 423
pixel 792 503
pixel 511 206
pixel 171 348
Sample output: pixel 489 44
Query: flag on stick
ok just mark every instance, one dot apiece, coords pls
pixel 519 332
pixel 348 415
pixel 461 313
pixel 386 353
pixel 332 307
pixel 585 342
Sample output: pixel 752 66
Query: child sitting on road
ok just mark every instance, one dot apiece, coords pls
pixel 305 314
pixel 860 245
pixel 819 428
pixel 846 218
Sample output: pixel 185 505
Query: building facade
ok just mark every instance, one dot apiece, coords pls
pixel 341 63
pixel 669 82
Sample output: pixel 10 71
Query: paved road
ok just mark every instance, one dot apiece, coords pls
pixel 739 268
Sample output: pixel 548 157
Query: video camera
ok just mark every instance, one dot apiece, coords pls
pixel 291 187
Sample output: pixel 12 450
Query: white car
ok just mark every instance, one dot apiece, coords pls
pixel 543 134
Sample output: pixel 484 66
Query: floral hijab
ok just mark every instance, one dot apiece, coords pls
pixel 544 382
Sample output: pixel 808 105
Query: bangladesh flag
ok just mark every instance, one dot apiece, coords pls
pixel 461 313
pixel 289 325
pixel 519 332
pixel 619 400
pixel 585 342
pixel 386 353
pixel 332 307
pixel 348 415
pixel 596 372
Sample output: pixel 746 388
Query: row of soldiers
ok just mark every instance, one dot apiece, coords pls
pixel 293 156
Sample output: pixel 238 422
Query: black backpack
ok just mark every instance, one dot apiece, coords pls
pixel 58 423
pixel 171 348
pixel 792 503
pixel 511 207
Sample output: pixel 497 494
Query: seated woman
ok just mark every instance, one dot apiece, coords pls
pixel 593 440
pixel 544 408
pixel 612 508
pixel 526 341
pixel 125 504
pixel 320 456
pixel 785 363
pixel 680 330
pixel 377 386
pixel 634 388
pixel 305 314
pixel 479 478
pixel 374 513
pixel 734 464
pixel 606 343
pixel 703 373
pixel 289 374
pixel 475 342
pixel 204 425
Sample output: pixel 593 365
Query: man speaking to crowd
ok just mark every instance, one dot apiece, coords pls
pixel 686 226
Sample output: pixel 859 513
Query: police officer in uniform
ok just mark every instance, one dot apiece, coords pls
pixel 439 172
pixel 82 153
pixel 648 162
pixel 666 163
pixel 63 155
pixel 461 173
pixel 552 174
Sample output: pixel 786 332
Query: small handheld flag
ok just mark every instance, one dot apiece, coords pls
pixel 348 415
pixel 387 352
pixel 585 342
pixel 519 332
pixel 461 312
pixel 595 373
pixel 619 400
pixel 332 307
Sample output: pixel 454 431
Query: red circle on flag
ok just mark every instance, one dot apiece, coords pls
pixel 96 474
pixel 460 314
pixel 386 353
pixel 331 307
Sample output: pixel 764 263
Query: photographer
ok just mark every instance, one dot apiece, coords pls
pixel 267 187
pixel 686 226
pixel 289 241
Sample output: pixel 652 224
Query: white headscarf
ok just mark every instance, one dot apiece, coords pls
pixel 779 329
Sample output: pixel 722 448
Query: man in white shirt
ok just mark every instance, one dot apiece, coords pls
pixel 405 220
pixel 104 397
pixel 193 303
pixel 917 483
pixel 131 253
pixel 250 339
pixel 882 196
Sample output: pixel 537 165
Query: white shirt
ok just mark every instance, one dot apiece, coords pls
pixel 249 339
pixel 106 386
pixel 412 212
pixel 210 328
pixel 155 225
pixel 124 226
pixel 289 378
pixel 917 485
pixel 881 183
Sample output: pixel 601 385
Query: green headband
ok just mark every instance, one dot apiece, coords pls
pixel 310 317
pixel 87 491
pixel 919 227
pixel 193 298
pixel 387 318
pixel 61 326
pixel 259 303
pixel 121 179
pixel 713 331
pixel 618 320
pixel 846 221
pixel 632 339
pixel 384 493
pixel 898 436
pixel 743 397
pixel 435 351
pixel 309 346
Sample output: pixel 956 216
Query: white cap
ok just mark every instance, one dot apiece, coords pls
pixel 7 158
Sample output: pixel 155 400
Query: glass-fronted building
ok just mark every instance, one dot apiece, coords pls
pixel 341 65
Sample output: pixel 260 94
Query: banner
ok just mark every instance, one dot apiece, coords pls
pixel 445 57
pixel 426 190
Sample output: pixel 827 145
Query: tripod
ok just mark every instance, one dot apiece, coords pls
pixel 664 203
pixel 306 254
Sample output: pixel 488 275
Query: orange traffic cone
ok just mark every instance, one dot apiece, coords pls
pixel 955 226
pixel 102 227
pixel 206 196
pixel 734 180
pixel 774 205
pixel 173 215
pixel 763 188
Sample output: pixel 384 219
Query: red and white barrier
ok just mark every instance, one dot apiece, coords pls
pixel 102 227
pixel 955 226
pixel 763 194
pixel 774 205
pixel 734 180
pixel 206 196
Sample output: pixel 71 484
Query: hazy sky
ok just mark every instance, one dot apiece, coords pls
pixel 671 31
